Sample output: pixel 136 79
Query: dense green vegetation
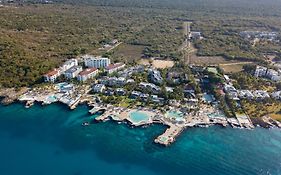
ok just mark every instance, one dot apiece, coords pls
pixel 35 38
pixel 229 6
pixel 268 107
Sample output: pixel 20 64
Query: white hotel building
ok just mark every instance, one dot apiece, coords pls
pixel 96 62
pixel 52 75
pixel 69 64
pixel 73 72
pixel 87 74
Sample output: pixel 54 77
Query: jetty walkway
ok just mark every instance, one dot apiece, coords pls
pixel 169 135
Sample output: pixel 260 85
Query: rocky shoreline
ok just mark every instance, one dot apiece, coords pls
pixel 10 95
pixel 119 114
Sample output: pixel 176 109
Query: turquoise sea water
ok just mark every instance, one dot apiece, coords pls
pixel 50 140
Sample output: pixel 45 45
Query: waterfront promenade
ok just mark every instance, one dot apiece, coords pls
pixel 175 126
pixel 172 117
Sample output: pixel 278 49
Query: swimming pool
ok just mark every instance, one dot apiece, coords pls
pixel 208 98
pixel 60 85
pixel 174 114
pixel 138 117
pixel 64 86
pixel 52 98
pixel 216 114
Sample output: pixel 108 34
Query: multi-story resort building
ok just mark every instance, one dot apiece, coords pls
pixel 276 95
pixel 260 71
pixel 260 94
pixel 130 70
pixel 114 67
pixel 113 81
pixel 52 75
pixel 246 94
pixel 69 64
pixel 262 35
pixel 231 91
pixel 273 75
pixel 99 88
pixel 73 72
pixel 97 62
pixel 155 76
pixel 150 87
pixel 268 73
pixel 87 74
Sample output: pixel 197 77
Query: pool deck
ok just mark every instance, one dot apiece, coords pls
pixel 207 116
pixel 244 120
pixel 50 95
pixel 174 127
pixel 122 114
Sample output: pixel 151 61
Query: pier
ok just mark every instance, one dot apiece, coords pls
pixel 244 121
pixel 95 110
pixel 271 122
pixel 74 104
pixel 169 135
pixel 105 116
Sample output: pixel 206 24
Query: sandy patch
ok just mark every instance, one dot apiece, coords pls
pixel 158 64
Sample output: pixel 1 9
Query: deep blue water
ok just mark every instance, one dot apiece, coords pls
pixel 51 141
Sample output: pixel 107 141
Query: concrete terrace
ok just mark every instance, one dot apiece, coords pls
pixel 175 127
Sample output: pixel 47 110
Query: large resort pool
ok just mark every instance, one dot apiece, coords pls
pixel 138 117
pixel 208 98
pixel 176 115
pixel 216 114
pixel 52 99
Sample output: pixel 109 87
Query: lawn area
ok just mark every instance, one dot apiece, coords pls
pixel 205 60
pixel 128 52
pixel 232 68
pixel 125 102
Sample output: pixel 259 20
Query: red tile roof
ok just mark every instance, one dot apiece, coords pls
pixel 220 92
pixel 52 73
pixel 87 71
pixel 113 66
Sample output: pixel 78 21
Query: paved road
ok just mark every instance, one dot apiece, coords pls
pixel 186 46
pixel 237 63
pixel 114 47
